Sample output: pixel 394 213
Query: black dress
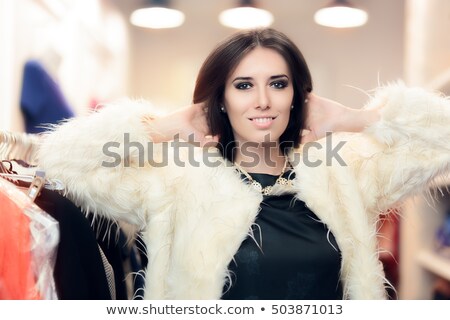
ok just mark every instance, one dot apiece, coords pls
pixel 293 254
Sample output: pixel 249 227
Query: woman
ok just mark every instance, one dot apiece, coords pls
pixel 269 218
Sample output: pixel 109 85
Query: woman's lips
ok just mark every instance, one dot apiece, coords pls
pixel 262 122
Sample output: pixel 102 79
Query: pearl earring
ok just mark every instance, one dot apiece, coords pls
pixel 306 100
pixel 292 107
pixel 222 109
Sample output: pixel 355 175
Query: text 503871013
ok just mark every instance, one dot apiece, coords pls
pixel 307 309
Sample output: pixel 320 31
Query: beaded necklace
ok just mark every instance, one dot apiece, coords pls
pixel 267 190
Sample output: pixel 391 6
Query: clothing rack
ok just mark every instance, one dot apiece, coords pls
pixel 27 273
pixel 18 145
pixel 90 275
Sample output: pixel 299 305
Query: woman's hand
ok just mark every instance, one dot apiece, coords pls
pixel 326 116
pixel 188 124
pixel 195 126
pixel 323 116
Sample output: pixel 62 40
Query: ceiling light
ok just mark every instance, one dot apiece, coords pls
pixel 246 16
pixel 341 14
pixel 157 16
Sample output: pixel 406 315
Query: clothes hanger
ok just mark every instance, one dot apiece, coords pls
pixel 23 146
pixel 49 184
pixel 18 145
pixel 36 180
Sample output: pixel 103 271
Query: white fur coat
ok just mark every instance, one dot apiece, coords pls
pixel 195 217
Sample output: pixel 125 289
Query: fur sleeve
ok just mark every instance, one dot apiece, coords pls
pixel 409 146
pixel 102 159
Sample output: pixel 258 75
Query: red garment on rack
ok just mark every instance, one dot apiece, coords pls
pixel 17 280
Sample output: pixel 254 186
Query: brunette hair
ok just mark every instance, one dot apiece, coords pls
pixel 222 61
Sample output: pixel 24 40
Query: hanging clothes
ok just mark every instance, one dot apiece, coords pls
pixel 79 268
pixel 113 244
pixel 28 240
pixel 42 101
pixel 89 262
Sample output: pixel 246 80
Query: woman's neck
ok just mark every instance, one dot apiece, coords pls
pixel 260 159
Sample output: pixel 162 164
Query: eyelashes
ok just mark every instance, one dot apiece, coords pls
pixel 243 85
pixel 277 84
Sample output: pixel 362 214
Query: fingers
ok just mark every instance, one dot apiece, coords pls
pixel 200 106
pixel 209 141
pixel 309 136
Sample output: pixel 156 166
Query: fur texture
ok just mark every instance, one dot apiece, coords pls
pixel 195 217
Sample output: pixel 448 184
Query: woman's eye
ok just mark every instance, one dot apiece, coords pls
pixel 279 84
pixel 243 85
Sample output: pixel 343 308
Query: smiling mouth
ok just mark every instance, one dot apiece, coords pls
pixel 262 120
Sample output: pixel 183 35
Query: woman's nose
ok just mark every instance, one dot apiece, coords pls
pixel 263 99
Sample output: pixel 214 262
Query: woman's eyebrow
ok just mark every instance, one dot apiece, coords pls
pixel 242 78
pixel 279 76
pixel 250 78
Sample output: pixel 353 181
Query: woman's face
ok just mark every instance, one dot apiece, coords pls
pixel 258 96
